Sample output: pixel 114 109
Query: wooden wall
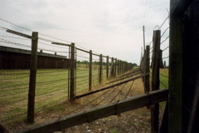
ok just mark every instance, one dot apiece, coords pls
pixel 17 60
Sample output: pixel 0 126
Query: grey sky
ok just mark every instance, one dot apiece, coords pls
pixel 109 27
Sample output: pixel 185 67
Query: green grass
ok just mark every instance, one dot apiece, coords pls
pixel 164 81
pixel 164 78
pixel 51 91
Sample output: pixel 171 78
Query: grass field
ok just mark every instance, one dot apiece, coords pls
pixel 164 79
pixel 51 90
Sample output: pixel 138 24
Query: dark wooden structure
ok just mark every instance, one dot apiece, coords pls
pixel 12 58
pixel 183 99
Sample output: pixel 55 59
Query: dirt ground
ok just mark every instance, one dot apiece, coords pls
pixel 136 121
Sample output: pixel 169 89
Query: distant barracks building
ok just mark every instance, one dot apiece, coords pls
pixel 12 58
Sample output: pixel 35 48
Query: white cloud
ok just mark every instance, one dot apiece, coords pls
pixel 110 27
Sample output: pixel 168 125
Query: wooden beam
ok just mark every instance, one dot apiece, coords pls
pixel 90 69
pixel 99 112
pixel 147 69
pixel 32 80
pixel 20 34
pixel 100 69
pixel 83 50
pixel 155 80
pixel 107 67
pixel 105 88
pixel 62 44
pixel 72 73
pixel 175 74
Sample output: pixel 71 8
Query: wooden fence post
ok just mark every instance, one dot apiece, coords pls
pixel 155 80
pixel 143 65
pixel 72 73
pixel 100 69
pixel 175 74
pixel 90 70
pixel 107 67
pixel 146 71
pixel 32 80
pixel 118 67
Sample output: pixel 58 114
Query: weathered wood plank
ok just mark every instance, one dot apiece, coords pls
pixel 100 112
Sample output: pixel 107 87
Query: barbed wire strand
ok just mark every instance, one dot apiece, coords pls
pixel 15 24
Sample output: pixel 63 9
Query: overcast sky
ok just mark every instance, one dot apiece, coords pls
pixel 108 27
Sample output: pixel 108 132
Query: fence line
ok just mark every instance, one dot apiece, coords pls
pixel 47 92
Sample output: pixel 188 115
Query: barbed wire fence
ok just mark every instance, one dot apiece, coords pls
pixel 153 63
pixel 53 76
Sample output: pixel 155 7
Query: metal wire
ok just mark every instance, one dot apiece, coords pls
pixel 10 42
pixel 164 22
pixel 15 24
pixel 164 40
pixel 165 31
pixel 165 48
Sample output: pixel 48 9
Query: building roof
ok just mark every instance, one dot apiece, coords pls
pixel 22 51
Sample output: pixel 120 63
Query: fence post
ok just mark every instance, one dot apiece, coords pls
pixel 72 73
pixel 146 71
pixel 107 67
pixel 175 99
pixel 143 65
pixel 32 79
pixel 100 69
pixel 155 80
pixel 118 67
pixel 90 70
pixel 112 66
